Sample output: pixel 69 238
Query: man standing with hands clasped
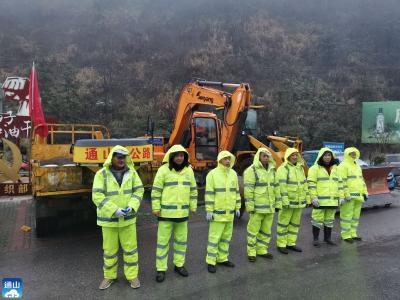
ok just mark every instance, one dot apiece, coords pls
pixel 223 202
pixel 117 192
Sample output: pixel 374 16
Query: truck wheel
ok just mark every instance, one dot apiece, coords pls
pixel 388 204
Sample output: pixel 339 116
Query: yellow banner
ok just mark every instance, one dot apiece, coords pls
pixel 99 154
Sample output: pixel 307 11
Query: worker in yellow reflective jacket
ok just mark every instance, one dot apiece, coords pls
pixel 261 193
pixel 355 192
pixel 117 193
pixel 295 196
pixel 326 190
pixel 174 193
pixel 223 202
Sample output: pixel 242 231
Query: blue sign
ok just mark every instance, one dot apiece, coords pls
pixel 156 141
pixel 12 288
pixel 337 147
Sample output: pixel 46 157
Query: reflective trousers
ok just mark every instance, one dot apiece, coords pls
pixel 219 236
pixel 321 217
pixel 259 233
pixel 349 217
pixel 288 226
pixel 165 229
pixel 112 237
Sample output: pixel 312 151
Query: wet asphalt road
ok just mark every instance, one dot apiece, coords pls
pixel 68 265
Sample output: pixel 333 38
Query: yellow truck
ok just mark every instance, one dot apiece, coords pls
pixel 63 167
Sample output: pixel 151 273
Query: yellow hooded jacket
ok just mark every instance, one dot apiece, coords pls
pixel 292 182
pixel 351 173
pixel 108 195
pixel 222 195
pixel 322 186
pixel 174 193
pixel 261 191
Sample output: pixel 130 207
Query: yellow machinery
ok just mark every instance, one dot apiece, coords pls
pixel 63 166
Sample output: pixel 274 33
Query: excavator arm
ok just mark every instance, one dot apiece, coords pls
pixel 200 95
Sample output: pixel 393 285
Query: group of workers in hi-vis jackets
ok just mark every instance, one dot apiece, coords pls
pixel 118 191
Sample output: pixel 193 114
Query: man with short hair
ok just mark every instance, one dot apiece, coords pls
pixel 117 193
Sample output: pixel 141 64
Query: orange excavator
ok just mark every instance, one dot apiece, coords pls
pixel 210 117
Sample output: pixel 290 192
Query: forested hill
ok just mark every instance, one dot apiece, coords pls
pixel 312 62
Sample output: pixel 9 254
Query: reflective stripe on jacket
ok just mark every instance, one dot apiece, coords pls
pixel 174 193
pixel 292 182
pixel 261 190
pixel 322 186
pixel 351 174
pixel 108 195
pixel 222 190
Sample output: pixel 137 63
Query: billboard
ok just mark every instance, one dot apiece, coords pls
pixel 381 122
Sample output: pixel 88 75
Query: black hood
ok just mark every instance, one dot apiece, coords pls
pixel 173 165
pixel 334 161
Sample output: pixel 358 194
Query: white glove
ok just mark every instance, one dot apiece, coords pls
pixel 315 202
pixel 348 198
pixel 238 213
pixel 127 210
pixel 119 213
pixel 366 196
pixel 341 201
pixel 209 216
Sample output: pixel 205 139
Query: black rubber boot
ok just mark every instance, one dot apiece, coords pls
pixel 181 271
pixel 251 258
pixel 227 263
pixel 327 236
pixel 315 231
pixel 211 268
pixel 160 276
pixel 294 248
pixel 283 250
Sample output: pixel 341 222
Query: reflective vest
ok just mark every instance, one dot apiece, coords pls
pixel 292 183
pixel 351 174
pixel 326 188
pixel 261 190
pixel 222 195
pixel 108 195
pixel 174 193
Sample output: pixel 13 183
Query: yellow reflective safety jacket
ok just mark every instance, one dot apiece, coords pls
pixel 174 192
pixel 351 173
pixel 292 182
pixel 222 190
pixel 108 195
pixel 261 191
pixel 322 186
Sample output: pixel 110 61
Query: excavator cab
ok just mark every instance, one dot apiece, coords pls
pixel 206 138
